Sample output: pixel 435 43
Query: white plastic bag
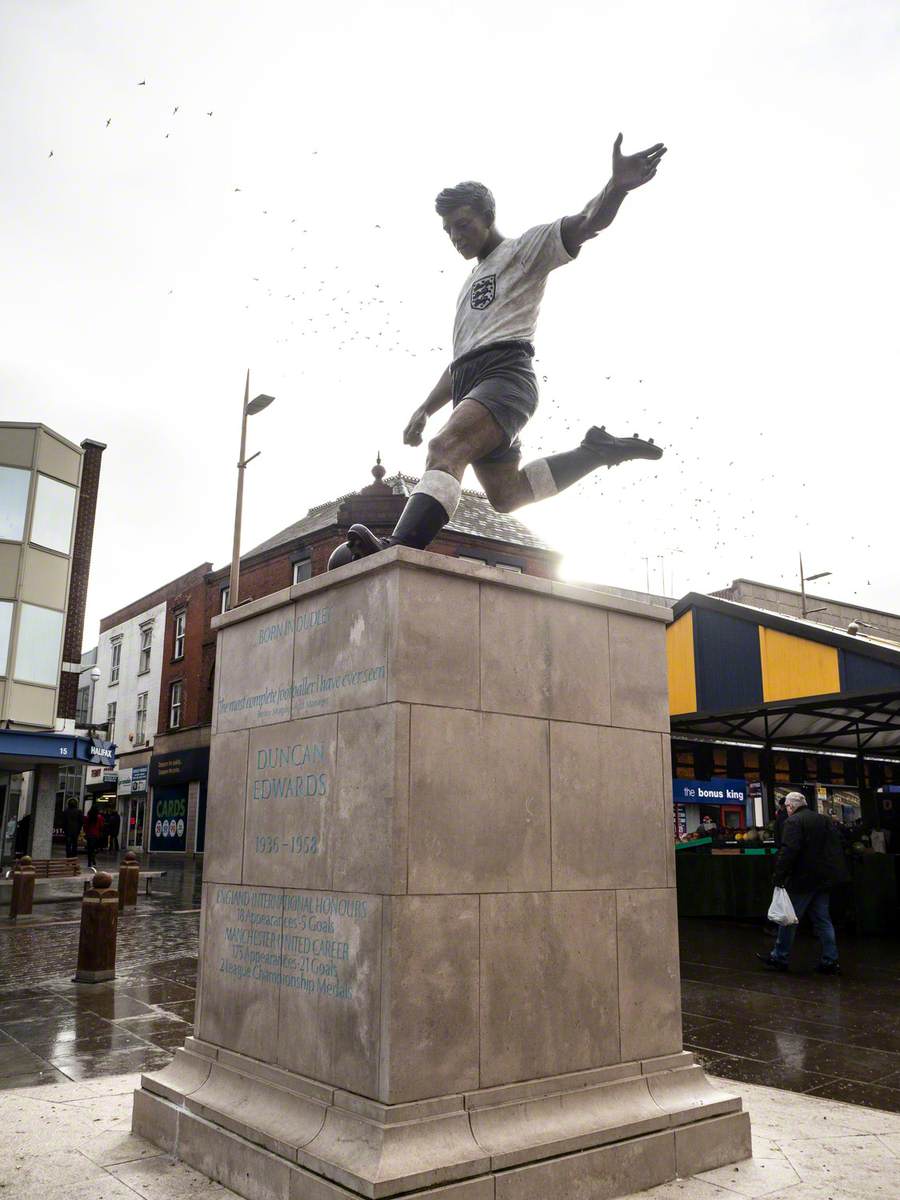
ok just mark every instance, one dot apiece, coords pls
pixel 781 911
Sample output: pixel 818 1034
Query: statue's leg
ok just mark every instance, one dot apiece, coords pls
pixel 470 433
pixel 508 486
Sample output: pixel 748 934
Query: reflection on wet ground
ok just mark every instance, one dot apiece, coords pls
pixel 835 1037
pixel 823 1035
pixel 53 1030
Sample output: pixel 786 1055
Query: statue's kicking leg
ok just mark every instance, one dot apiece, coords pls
pixel 509 486
pixel 469 434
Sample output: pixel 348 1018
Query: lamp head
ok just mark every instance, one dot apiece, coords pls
pixel 258 403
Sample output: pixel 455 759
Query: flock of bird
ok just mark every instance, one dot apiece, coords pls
pixel 728 529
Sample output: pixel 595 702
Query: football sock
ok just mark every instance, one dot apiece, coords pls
pixel 548 476
pixel 427 511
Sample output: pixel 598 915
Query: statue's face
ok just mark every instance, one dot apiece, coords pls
pixel 467 229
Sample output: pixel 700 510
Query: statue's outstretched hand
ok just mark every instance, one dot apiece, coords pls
pixel 632 170
pixel 412 434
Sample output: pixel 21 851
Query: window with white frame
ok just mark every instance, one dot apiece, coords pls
pixel 302 570
pixel 180 622
pixel 516 570
pixel 140 720
pixel 111 722
pixel 224 598
pixel 115 660
pixel 175 702
pixel 146 647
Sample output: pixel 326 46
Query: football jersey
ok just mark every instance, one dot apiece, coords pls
pixel 502 297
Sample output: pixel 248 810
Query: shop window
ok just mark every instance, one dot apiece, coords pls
pixel 140 720
pixel 180 623
pixel 13 502
pixel 175 705
pixel 39 645
pixel 146 647
pixel 54 509
pixel 111 722
pixel 302 570
pixel 115 660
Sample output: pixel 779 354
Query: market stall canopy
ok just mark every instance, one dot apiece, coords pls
pixel 748 674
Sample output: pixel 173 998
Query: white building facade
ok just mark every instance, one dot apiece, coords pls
pixel 126 702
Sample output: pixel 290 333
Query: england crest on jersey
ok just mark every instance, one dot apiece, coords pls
pixel 483 291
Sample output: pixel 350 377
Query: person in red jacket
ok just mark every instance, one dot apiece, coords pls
pixel 93 833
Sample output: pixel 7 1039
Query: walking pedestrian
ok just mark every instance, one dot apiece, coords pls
pixel 113 821
pixel 72 827
pixel 809 863
pixel 93 833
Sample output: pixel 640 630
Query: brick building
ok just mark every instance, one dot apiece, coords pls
pixel 179 754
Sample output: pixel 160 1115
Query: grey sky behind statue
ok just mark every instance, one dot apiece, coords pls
pixel 742 304
pixel 490 382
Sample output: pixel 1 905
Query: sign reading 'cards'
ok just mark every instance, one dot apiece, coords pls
pixel 168 822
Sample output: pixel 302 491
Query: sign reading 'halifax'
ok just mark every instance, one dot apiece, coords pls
pixel 709 791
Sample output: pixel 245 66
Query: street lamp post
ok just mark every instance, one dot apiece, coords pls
pixel 248 409
pixel 804 580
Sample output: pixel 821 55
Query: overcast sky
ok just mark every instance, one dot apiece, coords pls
pixel 742 309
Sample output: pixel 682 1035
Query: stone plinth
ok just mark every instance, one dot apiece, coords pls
pixel 439 946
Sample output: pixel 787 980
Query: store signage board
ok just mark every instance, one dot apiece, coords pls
pixel 123 787
pixel 139 777
pixel 179 767
pixel 103 753
pixel 168 821
pixel 709 791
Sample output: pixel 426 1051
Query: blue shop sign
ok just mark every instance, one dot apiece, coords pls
pixel 58 747
pixel 710 791
pixel 103 752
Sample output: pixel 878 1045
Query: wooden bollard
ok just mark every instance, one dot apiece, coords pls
pixel 129 879
pixel 99 923
pixel 22 897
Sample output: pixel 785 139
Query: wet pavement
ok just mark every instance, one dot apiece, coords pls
pixel 53 1030
pixel 824 1036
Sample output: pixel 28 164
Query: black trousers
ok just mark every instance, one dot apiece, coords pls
pixel 72 846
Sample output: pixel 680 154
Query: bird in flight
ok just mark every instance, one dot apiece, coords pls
pixel 50 155
pixel 108 122
pixel 209 114
pixel 174 110
pixel 143 83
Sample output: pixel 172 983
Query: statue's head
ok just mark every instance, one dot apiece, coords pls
pixel 468 212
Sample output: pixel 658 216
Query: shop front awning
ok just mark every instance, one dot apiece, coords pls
pixel 868 724
pixel 746 674
pixel 25 749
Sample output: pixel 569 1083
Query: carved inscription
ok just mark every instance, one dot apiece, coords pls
pixel 303 941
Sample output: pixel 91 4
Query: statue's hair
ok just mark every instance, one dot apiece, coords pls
pixel 476 195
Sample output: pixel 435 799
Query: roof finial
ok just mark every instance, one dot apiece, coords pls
pixel 378 470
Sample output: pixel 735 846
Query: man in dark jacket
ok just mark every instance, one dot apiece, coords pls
pixel 809 863
pixel 72 827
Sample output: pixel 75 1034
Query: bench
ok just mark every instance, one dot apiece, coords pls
pixel 48 890
pixel 54 868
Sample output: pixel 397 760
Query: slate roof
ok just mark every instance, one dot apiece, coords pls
pixel 474 517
